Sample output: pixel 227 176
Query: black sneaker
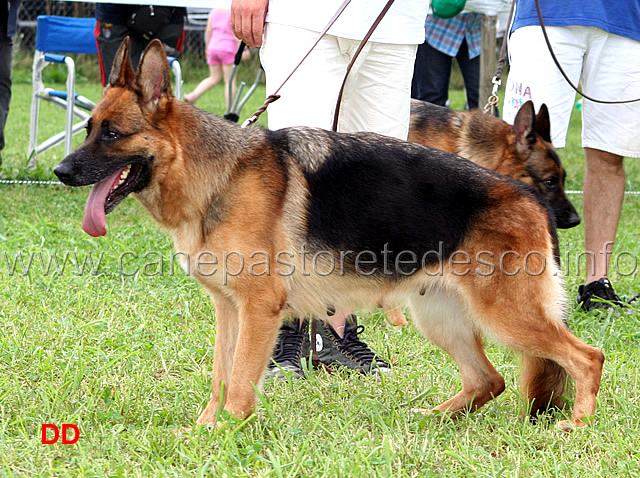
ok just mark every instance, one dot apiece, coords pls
pixel 348 351
pixel 293 344
pixel 598 295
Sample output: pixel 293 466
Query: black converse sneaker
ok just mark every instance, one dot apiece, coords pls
pixel 598 295
pixel 348 351
pixel 293 344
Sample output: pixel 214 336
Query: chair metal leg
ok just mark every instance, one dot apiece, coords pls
pixel 177 74
pixel 71 94
pixel 36 90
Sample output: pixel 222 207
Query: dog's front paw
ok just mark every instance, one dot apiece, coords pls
pixel 209 416
pixel 423 411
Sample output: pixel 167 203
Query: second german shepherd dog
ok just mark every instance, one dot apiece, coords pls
pixel 281 224
pixel 523 151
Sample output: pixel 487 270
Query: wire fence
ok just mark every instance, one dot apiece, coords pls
pixel 29 182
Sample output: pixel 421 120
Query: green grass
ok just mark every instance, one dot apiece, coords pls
pixel 118 343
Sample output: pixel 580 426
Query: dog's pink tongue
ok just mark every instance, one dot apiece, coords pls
pixel 95 219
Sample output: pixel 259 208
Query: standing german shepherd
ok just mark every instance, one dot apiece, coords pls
pixel 280 224
pixel 523 151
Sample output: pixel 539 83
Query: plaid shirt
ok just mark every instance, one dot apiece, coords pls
pixel 446 34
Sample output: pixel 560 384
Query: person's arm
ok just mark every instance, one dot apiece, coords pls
pixel 247 20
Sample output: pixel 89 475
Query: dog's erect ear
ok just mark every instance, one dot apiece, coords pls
pixel 543 124
pixel 122 72
pixel 524 128
pixel 153 78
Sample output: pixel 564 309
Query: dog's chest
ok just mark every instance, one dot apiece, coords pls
pixel 188 249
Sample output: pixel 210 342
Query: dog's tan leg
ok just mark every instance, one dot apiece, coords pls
pixel 244 343
pixel 443 320
pixel 584 364
pixel 481 382
pixel 535 328
pixel 259 324
pixel 225 346
pixel 581 361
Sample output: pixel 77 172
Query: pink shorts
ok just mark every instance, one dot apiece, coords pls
pixel 220 57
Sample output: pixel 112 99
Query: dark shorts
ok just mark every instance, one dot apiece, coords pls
pixel 110 36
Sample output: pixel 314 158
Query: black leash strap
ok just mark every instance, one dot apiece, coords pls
pixel 566 77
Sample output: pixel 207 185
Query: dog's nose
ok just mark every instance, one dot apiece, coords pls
pixel 568 220
pixel 64 171
pixel 574 220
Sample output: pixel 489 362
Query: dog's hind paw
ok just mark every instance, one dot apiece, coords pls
pixel 570 426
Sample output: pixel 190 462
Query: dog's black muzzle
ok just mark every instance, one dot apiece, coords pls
pixel 77 170
pixel 566 215
pixel 64 171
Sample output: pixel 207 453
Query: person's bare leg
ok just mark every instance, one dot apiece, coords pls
pixel 215 75
pixel 337 321
pixel 604 183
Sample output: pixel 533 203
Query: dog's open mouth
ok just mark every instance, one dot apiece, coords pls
pixel 106 195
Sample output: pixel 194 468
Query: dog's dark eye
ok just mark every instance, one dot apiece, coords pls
pixel 110 134
pixel 551 181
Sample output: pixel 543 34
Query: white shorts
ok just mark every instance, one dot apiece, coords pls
pixel 377 95
pixel 607 67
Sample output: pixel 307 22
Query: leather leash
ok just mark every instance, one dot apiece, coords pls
pixel 275 96
pixel 353 60
pixel 566 77
pixel 492 102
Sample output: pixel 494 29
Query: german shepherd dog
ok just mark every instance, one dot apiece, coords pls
pixel 523 151
pixel 283 224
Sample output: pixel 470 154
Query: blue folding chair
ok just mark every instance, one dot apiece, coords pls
pixel 56 37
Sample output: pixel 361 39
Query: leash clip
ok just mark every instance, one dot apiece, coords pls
pixel 493 100
pixel 496 84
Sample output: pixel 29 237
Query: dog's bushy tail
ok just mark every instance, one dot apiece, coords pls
pixel 543 383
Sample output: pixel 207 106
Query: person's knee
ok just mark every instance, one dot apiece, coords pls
pixel 604 161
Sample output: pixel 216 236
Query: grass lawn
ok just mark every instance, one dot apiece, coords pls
pixel 107 335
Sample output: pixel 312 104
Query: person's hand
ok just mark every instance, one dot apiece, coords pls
pixel 247 20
